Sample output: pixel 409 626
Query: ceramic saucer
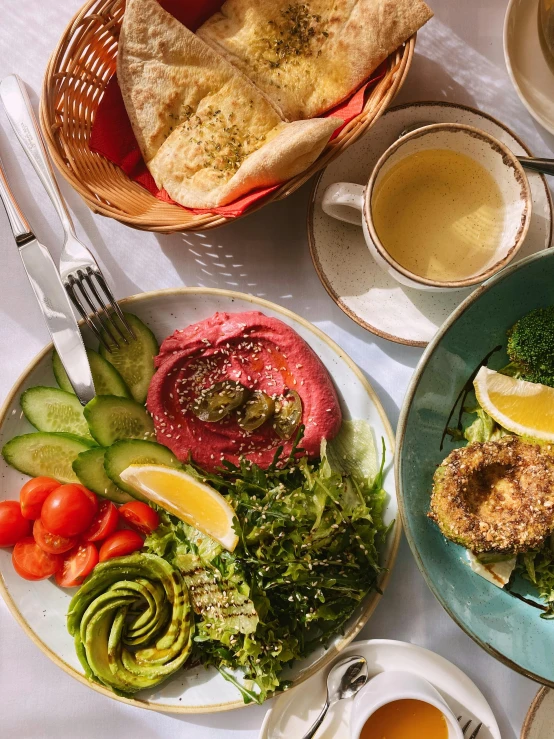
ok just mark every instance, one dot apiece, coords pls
pixel 340 255
pixel 293 713
pixel 539 722
pixel 526 63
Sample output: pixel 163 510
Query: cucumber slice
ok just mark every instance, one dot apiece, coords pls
pixel 111 418
pixel 89 468
pixel 123 453
pixel 50 409
pixel 135 360
pixel 107 380
pixel 43 453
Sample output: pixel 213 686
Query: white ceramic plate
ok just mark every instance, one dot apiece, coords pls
pixel 539 722
pixel 40 607
pixel 292 714
pixel 527 66
pixel 346 268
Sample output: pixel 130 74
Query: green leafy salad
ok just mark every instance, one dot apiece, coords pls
pixel 530 349
pixel 310 539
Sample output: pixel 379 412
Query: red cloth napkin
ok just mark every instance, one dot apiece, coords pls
pixel 113 137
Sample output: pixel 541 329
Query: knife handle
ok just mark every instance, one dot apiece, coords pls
pixel 20 115
pixel 51 296
pixel 20 227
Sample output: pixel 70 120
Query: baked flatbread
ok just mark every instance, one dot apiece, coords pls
pixel 207 134
pixel 309 56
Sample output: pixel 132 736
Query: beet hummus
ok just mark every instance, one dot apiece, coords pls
pixel 257 351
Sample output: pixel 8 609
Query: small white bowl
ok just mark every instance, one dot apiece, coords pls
pixel 394 686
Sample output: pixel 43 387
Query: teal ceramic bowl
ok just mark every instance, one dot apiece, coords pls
pixel 505 626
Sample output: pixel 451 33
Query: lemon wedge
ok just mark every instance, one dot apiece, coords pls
pixel 184 496
pixel 524 408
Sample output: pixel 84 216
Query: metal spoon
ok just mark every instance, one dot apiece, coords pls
pixel 344 680
pixel 534 164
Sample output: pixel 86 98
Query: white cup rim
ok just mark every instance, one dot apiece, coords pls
pixel 494 143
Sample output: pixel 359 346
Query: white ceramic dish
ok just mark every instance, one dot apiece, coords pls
pixel 40 607
pixel 292 713
pixel 339 252
pixel 488 151
pixel 539 722
pixel 528 69
pixel 389 687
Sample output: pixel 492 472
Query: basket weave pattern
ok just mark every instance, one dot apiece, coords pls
pixel 76 76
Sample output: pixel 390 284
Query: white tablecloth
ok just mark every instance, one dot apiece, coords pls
pixel 458 58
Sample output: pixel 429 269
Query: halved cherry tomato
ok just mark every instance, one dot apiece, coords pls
pixel 79 563
pixel 104 523
pixel 140 516
pixel 91 496
pixel 34 493
pixel 13 526
pixel 52 543
pixel 23 573
pixel 119 544
pixel 29 558
pixel 69 510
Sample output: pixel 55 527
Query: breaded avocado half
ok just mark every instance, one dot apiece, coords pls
pixel 496 496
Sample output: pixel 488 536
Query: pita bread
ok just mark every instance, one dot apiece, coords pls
pixel 207 134
pixel 309 56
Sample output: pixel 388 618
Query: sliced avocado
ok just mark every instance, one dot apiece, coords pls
pixel 107 380
pixel 220 604
pixel 129 602
pixel 111 418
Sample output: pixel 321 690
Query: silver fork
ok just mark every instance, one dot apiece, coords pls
pixel 466 727
pixel 80 273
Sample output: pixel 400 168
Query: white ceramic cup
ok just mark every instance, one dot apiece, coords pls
pixel 387 687
pixel 353 203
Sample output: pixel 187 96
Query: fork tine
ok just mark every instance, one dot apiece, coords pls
pixel 113 302
pixel 93 309
pixel 70 288
pixel 476 732
pixel 466 727
pixel 88 279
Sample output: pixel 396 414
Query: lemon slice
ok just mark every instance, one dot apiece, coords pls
pixel 524 408
pixel 184 496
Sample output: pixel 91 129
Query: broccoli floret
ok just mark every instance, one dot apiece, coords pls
pixel 531 346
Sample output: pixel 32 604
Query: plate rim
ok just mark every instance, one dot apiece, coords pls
pixel 506 37
pixel 532 711
pixel 382 582
pixel 311 206
pixel 400 437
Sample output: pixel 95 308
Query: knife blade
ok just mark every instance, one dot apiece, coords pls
pixel 51 296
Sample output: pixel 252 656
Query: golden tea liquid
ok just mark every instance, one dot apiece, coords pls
pixel 439 214
pixel 406 719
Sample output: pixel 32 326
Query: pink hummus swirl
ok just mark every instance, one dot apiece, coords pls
pixel 261 353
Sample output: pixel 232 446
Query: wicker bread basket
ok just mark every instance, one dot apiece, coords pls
pixel 76 76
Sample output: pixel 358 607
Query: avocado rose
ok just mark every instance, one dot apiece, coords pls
pixel 132 622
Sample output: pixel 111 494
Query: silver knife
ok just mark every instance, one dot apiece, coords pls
pixel 52 297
